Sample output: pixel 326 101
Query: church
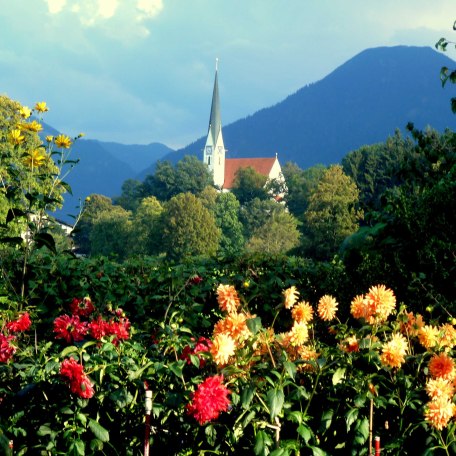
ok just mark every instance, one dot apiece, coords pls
pixel 214 155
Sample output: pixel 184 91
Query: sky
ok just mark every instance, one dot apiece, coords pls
pixel 142 71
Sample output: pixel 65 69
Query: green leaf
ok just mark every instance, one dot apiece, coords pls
pixel 318 451
pixel 305 432
pixel 254 324
pixel 262 442
pixel 247 396
pixel 338 376
pixel 98 430
pixel 82 418
pixel 44 240
pixel 276 399
pixel 67 350
pixel 350 417
pixel 326 419
pixel 361 431
pixel 290 368
pixel 279 452
pixel 77 448
pixel 176 368
pixel 44 429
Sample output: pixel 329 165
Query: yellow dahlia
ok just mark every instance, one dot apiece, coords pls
pixel 394 351
pixel 25 112
pixel 291 296
pixel 63 141
pixel 428 336
pixel 302 312
pixel 439 411
pixel 35 158
pixel 327 307
pixel 447 335
pixel 439 387
pixel 222 348
pixel 41 106
pixel 15 137
pixel 441 366
pixel 227 298
pixel 299 334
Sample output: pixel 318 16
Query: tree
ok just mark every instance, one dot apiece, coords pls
pixel 277 236
pixel 94 205
pixel 300 183
pixel 332 213
pixel 256 213
pixel 227 219
pixel 249 184
pixel 376 168
pixel 147 227
pixel 189 229
pixel 111 233
pixel 131 195
pixel 189 175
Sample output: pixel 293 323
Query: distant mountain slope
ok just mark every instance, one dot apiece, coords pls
pixel 362 102
pixel 103 167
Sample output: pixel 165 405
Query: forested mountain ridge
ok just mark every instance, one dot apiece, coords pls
pixel 361 102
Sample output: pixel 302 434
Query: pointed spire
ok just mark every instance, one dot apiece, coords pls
pixel 215 122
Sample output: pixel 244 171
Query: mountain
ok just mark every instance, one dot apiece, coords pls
pixel 361 102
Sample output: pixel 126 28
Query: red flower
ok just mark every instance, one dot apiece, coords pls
pixel 21 324
pixel 203 345
pixel 98 328
pixel 210 398
pixel 72 329
pixel 82 307
pixel 79 382
pixel 6 349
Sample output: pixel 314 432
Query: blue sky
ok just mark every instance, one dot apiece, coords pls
pixel 141 71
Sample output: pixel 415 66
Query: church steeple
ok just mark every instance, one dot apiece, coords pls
pixel 214 150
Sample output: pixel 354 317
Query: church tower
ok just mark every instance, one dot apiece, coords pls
pixel 214 150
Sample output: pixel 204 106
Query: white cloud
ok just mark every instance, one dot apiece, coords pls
pixel 55 6
pixel 149 8
pixel 114 16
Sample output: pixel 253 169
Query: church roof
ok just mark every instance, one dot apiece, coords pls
pixel 260 165
pixel 215 121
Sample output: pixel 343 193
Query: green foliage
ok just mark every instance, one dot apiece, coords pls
pixel 332 212
pixel 111 233
pixel 447 74
pixel 189 175
pixel 189 228
pixel 131 195
pixel 249 185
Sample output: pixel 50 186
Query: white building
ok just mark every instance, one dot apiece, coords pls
pixel 214 155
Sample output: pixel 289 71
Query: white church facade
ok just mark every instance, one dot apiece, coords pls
pixel 214 154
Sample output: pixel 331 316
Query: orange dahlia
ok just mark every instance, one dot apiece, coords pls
pixel 439 411
pixel 447 335
pixel 227 298
pixel 394 351
pixel 307 354
pixel 359 308
pixel 291 295
pixel 442 366
pixel 382 302
pixel 234 325
pixel 327 307
pixel 350 344
pixel 302 312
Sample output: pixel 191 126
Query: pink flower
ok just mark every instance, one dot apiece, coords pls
pixel 210 398
pixel 72 329
pixel 21 324
pixel 6 349
pixel 82 307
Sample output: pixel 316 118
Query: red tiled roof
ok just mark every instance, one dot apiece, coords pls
pixel 260 165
